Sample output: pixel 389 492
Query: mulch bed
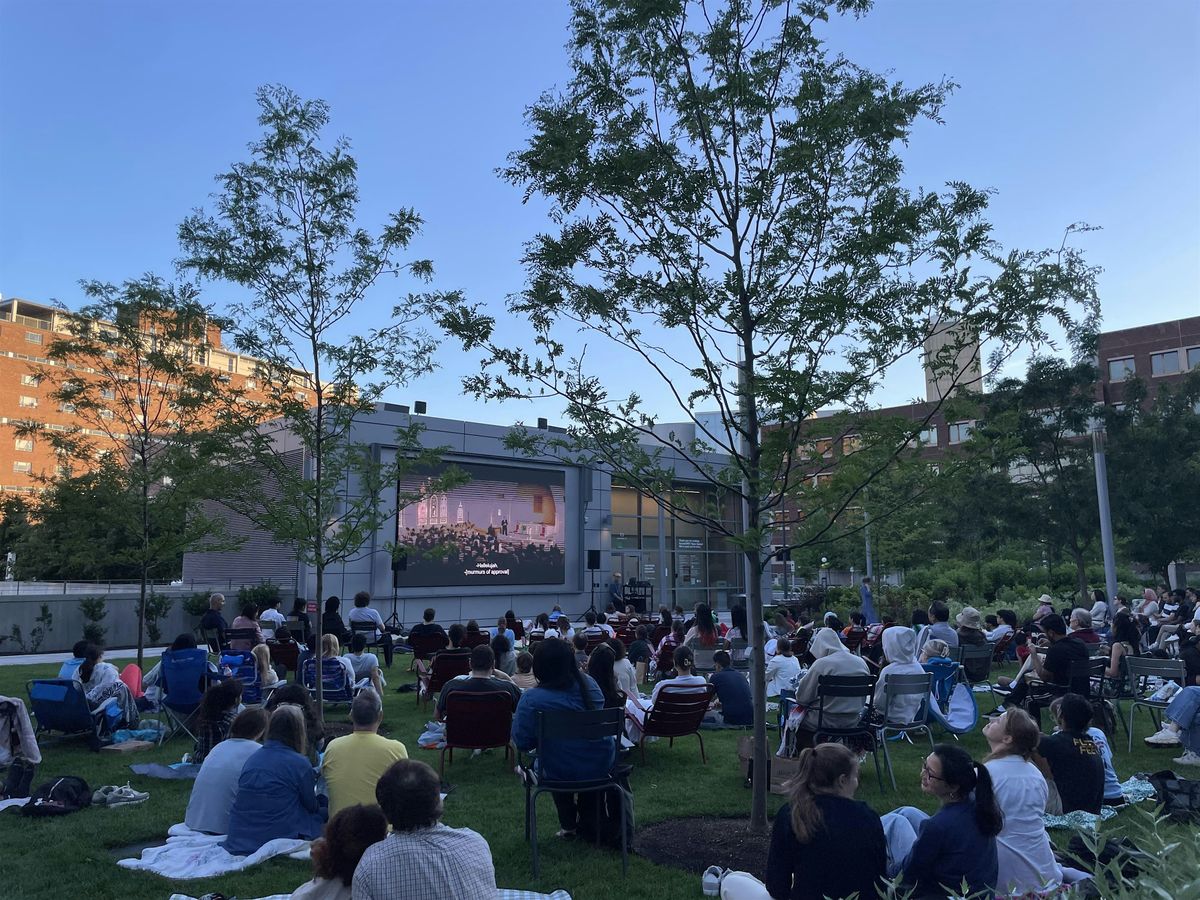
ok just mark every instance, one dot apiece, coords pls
pixel 694 844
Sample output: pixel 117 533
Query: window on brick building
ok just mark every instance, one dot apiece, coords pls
pixel 1165 363
pixel 23 467
pixel 25 445
pixel 960 431
pixel 1193 358
pixel 929 436
pixel 1120 369
pixel 33 337
pixel 30 381
pixel 27 402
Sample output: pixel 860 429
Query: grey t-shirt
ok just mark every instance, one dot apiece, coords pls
pixel 212 795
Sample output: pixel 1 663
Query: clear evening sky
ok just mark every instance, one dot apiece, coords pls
pixel 115 116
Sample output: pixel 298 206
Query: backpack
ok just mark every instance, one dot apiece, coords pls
pixel 20 776
pixel 65 794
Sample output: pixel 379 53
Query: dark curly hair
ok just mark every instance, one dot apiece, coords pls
pixel 345 839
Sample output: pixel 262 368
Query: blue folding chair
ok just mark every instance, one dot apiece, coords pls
pixel 182 675
pixel 60 704
pixel 336 686
pixel 245 670
pixel 945 677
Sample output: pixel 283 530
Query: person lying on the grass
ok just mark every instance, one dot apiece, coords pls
pixel 336 853
pixel 353 763
pixel 216 785
pixel 422 857
pixel 1024 856
pixel 277 790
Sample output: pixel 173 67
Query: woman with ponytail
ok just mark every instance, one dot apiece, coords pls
pixel 562 686
pixel 1025 859
pixel 935 854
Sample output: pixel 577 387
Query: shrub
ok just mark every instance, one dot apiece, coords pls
pixel 260 594
pixel 157 606
pixel 94 610
pixel 196 604
pixel 37 634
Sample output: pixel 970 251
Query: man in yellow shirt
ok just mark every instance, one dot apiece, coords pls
pixel 353 764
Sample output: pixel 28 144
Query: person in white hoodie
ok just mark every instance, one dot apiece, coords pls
pixel 900 650
pixel 832 658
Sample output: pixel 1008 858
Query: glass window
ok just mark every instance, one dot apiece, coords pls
pixel 231 364
pixel 1193 358
pixel 851 443
pixel 22 467
pixel 108 393
pixel 24 444
pixel 929 436
pixel 33 337
pixel 1120 369
pixel 1166 363
pixel 29 380
pixel 624 501
pixel 624 525
pixel 27 402
pixel 960 431
pixel 66 407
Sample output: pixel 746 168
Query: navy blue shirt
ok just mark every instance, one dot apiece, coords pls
pixel 949 848
pixel 577 760
pixel 733 691
pixel 276 798
pixel 848 854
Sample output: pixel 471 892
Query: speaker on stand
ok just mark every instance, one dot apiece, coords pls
pixel 399 564
pixel 593 564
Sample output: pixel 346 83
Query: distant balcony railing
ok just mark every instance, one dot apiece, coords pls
pixel 27 320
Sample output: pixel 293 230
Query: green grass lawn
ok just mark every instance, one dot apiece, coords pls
pixel 74 855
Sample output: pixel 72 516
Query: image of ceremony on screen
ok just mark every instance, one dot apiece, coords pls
pixel 504 526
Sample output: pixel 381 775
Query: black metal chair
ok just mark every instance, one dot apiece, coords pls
pixel 369 631
pixel 830 687
pixel 574 725
pixel 905 686
pixel 1140 671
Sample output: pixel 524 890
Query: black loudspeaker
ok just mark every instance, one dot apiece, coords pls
pixel 593 560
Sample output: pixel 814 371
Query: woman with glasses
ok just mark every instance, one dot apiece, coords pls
pixel 935 854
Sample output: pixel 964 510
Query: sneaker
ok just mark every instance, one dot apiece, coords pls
pixel 1191 758
pixel 710 882
pixel 1164 737
pixel 125 796
pixel 101 794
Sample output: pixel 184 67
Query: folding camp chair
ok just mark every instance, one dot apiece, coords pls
pixel 336 686
pixel 245 670
pixel 183 677
pixel 60 704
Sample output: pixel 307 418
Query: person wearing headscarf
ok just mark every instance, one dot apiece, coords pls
pixel 831 658
pixel 900 650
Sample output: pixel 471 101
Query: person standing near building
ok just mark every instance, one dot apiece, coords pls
pixel 868 601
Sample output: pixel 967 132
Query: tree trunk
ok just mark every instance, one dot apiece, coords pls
pixel 758 690
pixel 141 637
pixel 317 635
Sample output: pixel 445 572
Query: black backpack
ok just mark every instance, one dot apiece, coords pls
pixel 58 797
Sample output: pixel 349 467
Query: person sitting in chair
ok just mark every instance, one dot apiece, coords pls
pixel 362 613
pixel 212 620
pixel 483 677
pixel 364 664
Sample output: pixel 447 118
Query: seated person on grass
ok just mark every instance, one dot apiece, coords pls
pixel 277 790
pixel 337 852
pixel 733 705
pixel 484 677
pixel 214 716
pixel 216 784
pixel 421 857
pixel 353 764
pixel 1070 758
pixel 69 667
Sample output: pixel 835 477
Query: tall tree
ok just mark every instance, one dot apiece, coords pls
pixel 731 217
pixel 1154 473
pixel 1036 429
pixel 285 229
pixel 126 371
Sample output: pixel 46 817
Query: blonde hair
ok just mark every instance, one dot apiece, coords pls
pixel 1023 730
pixel 262 657
pixel 330 645
pixel 935 647
pixel 820 768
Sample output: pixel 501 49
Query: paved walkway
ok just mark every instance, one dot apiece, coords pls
pixel 30 659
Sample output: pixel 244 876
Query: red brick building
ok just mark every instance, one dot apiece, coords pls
pixel 27 330
pixel 1157 354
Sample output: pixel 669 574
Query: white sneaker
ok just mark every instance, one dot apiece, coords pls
pixel 711 881
pixel 1164 737
pixel 1190 758
pixel 124 796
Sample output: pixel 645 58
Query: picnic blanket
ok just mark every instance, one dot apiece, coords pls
pixel 18 801
pixel 192 854
pixel 173 772
pixel 1134 790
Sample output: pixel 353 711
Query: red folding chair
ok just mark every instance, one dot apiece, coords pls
pixel 677 712
pixel 854 639
pixel 432 677
pixel 425 645
pixel 1001 648
pixel 477 721
pixel 471 640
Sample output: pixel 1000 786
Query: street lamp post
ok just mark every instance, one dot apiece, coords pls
pixel 1099 438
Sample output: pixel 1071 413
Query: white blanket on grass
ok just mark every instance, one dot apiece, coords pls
pixel 501 894
pixel 193 854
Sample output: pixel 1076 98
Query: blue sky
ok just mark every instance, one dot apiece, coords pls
pixel 114 118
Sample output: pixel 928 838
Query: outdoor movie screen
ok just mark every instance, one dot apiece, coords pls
pixel 506 525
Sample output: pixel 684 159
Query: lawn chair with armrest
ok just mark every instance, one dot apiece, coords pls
pixel 477 721
pixel 60 704
pixel 677 712
pixel 432 676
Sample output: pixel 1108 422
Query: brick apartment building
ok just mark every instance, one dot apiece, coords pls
pixel 27 330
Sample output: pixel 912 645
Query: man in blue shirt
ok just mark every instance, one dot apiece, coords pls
pixel 733 693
